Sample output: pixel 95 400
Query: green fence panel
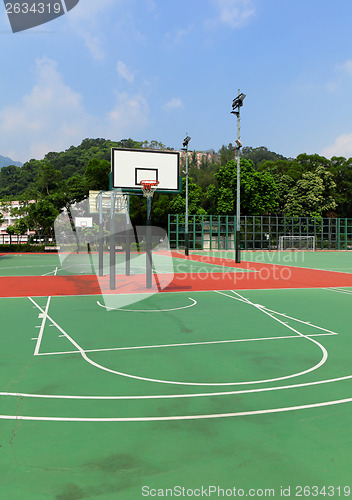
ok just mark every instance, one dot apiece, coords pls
pixel 215 232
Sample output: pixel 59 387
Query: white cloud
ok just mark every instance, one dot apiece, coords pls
pixel 174 103
pixel 124 72
pixel 130 113
pixel 332 86
pixel 95 45
pixel 86 19
pixel 87 10
pixel 52 117
pixel 234 13
pixel 346 67
pixel 178 36
pixel 341 147
pixel 150 5
pixel 343 72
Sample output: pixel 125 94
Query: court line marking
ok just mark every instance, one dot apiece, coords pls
pixel 262 309
pixel 179 417
pixel 44 317
pixel 308 323
pixel 25 267
pixel 176 396
pixel 340 290
pixel 42 326
pixel 320 382
pixel 194 302
pixel 184 344
pixel 172 382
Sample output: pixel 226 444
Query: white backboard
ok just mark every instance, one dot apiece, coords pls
pixel 131 166
pixel 82 222
pixel 120 202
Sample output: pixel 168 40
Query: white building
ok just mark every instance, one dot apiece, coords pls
pixel 8 211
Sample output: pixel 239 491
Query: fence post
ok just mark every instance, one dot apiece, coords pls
pixel 211 232
pixel 177 232
pixel 169 229
pixel 338 234
pixel 202 228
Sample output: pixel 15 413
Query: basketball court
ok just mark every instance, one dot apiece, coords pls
pixel 220 375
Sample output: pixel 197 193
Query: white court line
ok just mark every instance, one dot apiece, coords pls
pixel 44 318
pixel 176 396
pixel 340 290
pixel 179 417
pixel 308 323
pixel 24 267
pixel 262 389
pixel 185 344
pixel 262 309
pixel 194 302
pixel 173 382
pixel 42 326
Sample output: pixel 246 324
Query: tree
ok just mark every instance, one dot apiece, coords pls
pixel 195 198
pixel 97 174
pixel 211 199
pixel 76 188
pixel 42 215
pixel 48 178
pixel 258 190
pixel 153 145
pixel 21 226
pixel 226 154
pixel 341 168
pixel 259 155
pixel 11 230
pixel 284 184
pixel 2 209
pixel 312 195
pixel 291 168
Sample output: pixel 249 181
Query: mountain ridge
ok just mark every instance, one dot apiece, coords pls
pixel 5 161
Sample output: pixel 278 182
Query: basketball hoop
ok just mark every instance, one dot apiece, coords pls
pixel 148 188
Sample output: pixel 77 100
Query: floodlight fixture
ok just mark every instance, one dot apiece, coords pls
pixel 186 141
pixel 238 101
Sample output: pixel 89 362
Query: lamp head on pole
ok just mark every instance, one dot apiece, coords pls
pixel 186 141
pixel 237 103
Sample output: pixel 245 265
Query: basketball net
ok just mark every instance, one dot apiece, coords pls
pixel 148 188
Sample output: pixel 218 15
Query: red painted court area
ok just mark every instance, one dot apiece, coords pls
pixel 263 276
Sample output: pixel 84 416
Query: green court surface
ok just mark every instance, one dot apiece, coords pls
pixel 328 260
pixel 249 390
pixel 75 264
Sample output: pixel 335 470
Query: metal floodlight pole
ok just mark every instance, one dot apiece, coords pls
pixel 238 195
pixel 236 105
pixel 185 148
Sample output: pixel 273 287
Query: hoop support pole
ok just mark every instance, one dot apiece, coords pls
pixel 149 244
pixel 112 244
pixel 101 235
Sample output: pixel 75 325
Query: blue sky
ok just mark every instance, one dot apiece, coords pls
pixel 156 69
